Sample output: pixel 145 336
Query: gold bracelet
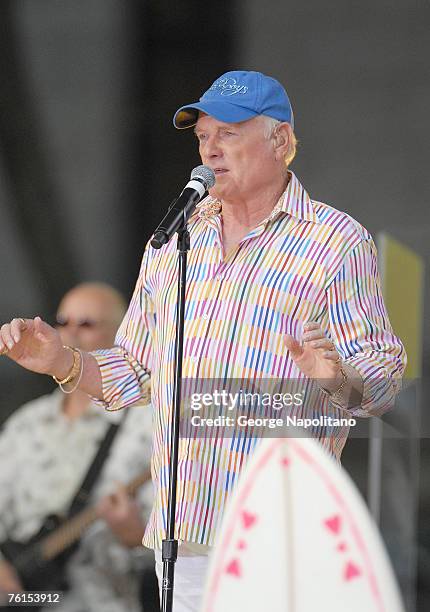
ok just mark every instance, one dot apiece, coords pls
pixel 342 384
pixel 77 358
pixel 75 380
pixel 332 394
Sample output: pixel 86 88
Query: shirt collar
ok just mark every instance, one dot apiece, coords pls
pixel 295 201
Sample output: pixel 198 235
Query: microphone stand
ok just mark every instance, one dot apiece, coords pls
pixel 170 545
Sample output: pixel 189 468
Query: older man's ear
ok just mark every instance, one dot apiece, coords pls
pixel 281 140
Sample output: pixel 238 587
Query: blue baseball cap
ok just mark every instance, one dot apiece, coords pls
pixel 237 96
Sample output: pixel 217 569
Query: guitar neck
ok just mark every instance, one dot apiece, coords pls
pixel 70 531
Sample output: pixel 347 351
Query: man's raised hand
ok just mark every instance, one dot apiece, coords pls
pixel 36 346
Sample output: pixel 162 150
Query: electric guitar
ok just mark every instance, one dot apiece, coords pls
pixel 40 561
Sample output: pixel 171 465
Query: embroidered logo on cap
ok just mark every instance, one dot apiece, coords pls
pixel 230 87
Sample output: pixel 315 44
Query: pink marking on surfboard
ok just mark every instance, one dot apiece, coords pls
pixel 248 519
pixel 351 571
pixel 333 523
pixel 234 569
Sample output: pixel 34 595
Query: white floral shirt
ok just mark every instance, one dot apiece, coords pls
pixel 44 457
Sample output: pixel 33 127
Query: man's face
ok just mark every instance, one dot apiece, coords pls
pixel 240 154
pixel 86 320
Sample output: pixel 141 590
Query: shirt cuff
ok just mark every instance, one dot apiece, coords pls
pixel 379 388
pixel 124 380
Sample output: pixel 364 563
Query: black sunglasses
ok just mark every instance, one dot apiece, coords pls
pixel 82 323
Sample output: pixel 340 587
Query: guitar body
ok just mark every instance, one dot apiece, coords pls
pixel 35 572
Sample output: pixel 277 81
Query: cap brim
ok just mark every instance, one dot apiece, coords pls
pixel 187 116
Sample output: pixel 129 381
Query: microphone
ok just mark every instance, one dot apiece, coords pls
pixel 202 179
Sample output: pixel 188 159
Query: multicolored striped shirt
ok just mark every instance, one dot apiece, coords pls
pixel 306 262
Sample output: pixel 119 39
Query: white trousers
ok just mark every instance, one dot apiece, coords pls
pixel 189 581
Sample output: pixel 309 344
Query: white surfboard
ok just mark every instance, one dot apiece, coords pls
pixel 297 537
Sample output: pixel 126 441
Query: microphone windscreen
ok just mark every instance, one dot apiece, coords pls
pixel 206 174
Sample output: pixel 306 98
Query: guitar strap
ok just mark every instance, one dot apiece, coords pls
pixel 81 497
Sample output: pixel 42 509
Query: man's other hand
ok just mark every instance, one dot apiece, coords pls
pixel 316 356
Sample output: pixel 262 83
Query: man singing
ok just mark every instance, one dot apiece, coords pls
pixel 279 286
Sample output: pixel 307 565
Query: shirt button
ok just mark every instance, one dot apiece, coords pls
pixel 194 359
pixel 205 316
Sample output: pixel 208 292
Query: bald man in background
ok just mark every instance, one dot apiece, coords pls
pixel 46 448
